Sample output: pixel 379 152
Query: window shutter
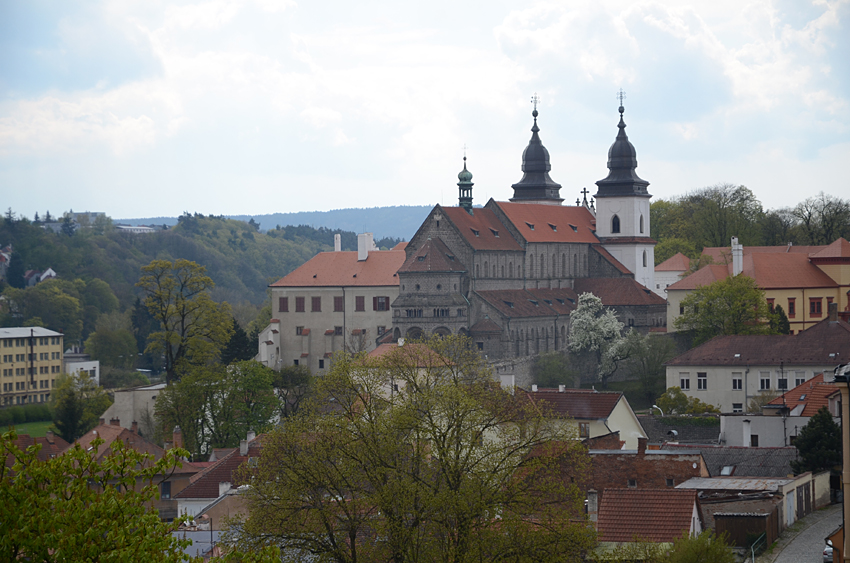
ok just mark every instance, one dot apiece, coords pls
pixel 374 303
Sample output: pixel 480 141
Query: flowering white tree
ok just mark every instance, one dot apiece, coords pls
pixel 596 332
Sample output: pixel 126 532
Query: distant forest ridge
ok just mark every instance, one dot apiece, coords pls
pixel 398 221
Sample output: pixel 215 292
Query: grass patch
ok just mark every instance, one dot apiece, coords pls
pixel 34 429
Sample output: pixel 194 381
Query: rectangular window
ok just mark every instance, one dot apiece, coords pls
pixel 359 303
pixel 681 310
pixel 283 304
pixel 815 306
pixel 316 304
pixel 584 430
pixel 321 364
pixel 299 304
pixel 337 331
pixel 770 301
pixel 782 383
pixel 480 345
pixel 799 378
pixel 339 304
pixel 737 381
pixel 294 362
pixel 632 483
pixel 737 407
pixel 764 380
pixel 669 482
pixel 299 330
pixel 792 307
pixel 684 381
pixel 754 440
pixel 380 303
pixel 702 381
pixel 381 330
pixel 165 490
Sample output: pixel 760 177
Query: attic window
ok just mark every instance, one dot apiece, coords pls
pixel 554 228
pixel 450 257
pixel 530 225
pixel 727 470
pixel 495 233
pixel 803 397
pixel 509 304
pixel 420 258
pixel 561 301
pixel 473 231
pixel 548 302
pixel 574 228
pixel 534 302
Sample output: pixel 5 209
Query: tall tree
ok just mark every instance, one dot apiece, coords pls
pixel 735 305
pixel 647 356
pixel 818 444
pixel 717 213
pixel 417 457
pixel 823 218
pixel 74 507
pixel 193 327
pixel 596 333
pixel 56 302
pixel 77 403
pixel 292 385
pixel 239 347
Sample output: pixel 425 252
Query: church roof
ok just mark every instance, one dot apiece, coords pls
pixel 433 256
pixel 517 303
pixel 482 230
pixel 622 177
pixel 536 183
pixel 336 269
pixel 610 258
pixel 676 263
pixel 618 291
pixel 538 222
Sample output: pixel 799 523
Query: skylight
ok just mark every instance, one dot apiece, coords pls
pixel 495 233
pixel 474 231
pixel 574 228
pixel 530 225
pixel 554 228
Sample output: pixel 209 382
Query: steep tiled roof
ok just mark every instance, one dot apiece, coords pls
pixel 530 302
pixel 400 246
pixel 205 484
pixel 747 462
pixel 657 515
pixel 838 249
pixel 50 447
pixel 806 399
pixel 618 291
pixel 551 223
pixel 723 254
pixel 482 230
pixel 334 269
pixel 676 263
pixel 433 256
pixel 584 404
pixel 809 347
pixel 704 276
pixel 613 261
pixel 785 271
pixel 409 353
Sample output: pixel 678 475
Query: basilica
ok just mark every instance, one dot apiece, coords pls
pixel 509 274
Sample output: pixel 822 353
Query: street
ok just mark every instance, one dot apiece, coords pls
pixel 808 546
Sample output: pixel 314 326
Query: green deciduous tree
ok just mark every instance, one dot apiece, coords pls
pixel 818 444
pixel 735 305
pixel 55 302
pixel 717 213
pixel 193 328
pixel 553 369
pixel 74 508
pixel 647 356
pixel 77 404
pixel 596 333
pixel 417 457
pixel 292 385
pixel 671 246
pixel 674 401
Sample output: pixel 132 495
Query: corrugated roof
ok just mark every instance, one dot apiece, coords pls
pixel 482 230
pixel 676 263
pixel 656 515
pixel 811 395
pixel 551 223
pixel 433 256
pixel 336 269
pixel 733 484
pixel 618 291
pixel 584 404
pixel 772 463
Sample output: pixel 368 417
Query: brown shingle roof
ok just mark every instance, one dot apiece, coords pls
pixel 433 256
pixel 551 223
pixel 205 484
pixel 335 269
pixel 809 347
pixel 111 433
pixel 676 263
pixel 584 404
pixel 49 447
pixel 657 515
pixel 811 395
pixel 530 302
pixel 838 249
pixel 618 291
pixel 482 230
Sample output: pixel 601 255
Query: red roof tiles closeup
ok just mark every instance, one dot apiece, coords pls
pixel 656 515
pixel 334 269
pixel 551 223
pixel 838 249
pixel 205 485
pixel 482 230
pixel 676 263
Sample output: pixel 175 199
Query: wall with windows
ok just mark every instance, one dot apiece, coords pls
pixel 770 431
pixel 30 362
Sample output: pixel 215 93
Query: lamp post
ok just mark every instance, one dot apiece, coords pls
pixel 659 409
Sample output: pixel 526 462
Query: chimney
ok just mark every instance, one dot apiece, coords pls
pixel 49 436
pixel 101 421
pixel 833 312
pixel 365 243
pixel 134 428
pixel 592 505
pixel 641 445
pixel 561 388
pixel 243 448
pixel 534 388
pixel 737 257
pixel 177 437
pixel 337 242
pixel 251 435
pixel 746 433
pixel 115 421
pixel 223 487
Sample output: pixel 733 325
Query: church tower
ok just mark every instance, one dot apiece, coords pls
pixel 464 188
pixel 622 210
pixel 536 186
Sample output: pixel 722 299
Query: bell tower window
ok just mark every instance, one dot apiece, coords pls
pixel 615 224
pixel 644 255
pixel 641 225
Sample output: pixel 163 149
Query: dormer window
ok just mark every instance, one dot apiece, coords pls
pixel 421 258
pixel 534 302
pixel 561 301
pixel 473 231
pixel 495 233
pixel 574 228
pixel 530 225
pixel 554 228
pixel 509 304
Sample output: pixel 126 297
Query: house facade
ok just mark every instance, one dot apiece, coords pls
pixel 30 361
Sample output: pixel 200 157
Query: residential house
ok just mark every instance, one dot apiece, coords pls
pixel 669 272
pixel 336 300
pixel 596 413
pixel 51 446
pixel 172 483
pixel 724 461
pixel 30 359
pixel 728 371
pixel 804 280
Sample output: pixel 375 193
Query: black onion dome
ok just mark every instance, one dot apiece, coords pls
pixel 622 178
pixel 536 183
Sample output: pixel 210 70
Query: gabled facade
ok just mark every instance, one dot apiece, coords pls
pixel 655 515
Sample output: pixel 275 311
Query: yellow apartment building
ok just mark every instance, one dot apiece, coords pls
pixel 30 363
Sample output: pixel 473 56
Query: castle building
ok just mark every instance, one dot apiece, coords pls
pixel 509 274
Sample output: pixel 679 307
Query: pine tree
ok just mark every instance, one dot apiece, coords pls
pixel 818 444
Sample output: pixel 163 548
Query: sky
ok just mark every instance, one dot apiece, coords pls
pixel 142 108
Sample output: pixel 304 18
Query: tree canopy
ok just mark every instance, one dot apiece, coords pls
pixel 818 444
pixel 595 332
pixel 417 457
pixel 674 401
pixel 77 403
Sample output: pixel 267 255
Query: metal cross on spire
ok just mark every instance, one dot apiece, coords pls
pixel 534 100
pixel 621 96
pixel 584 193
pixel 464 151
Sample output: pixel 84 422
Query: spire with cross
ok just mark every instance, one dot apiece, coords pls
pixel 584 193
pixel 535 99
pixel 621 96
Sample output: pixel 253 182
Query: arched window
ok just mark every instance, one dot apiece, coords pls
pixel 554 266
pixel 542 266
pixel 486 268
pixel 615 224
pixel 477 272
pixel 494 270
pixel 531 265
pixel 563 265
pixel 641 223
pixel 575 265
pixel 644 258
pixel 503 270
pixel 510 269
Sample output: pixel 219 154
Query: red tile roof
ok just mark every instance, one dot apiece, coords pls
pixel 336 269
pixel 111 433
pixel 676 263
pixel 838 249
pixel 657 515
pixel 482 230
pixel 809 347
pixel 551 223
pixel 409 353
pixel 704 276
pixel 205 484
pixel 531 302
pixel 811 395
pixel 433 256
pixel 618 291
pixel 770 271
pixel 583 404
pixel 49 447
pixel 723 254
